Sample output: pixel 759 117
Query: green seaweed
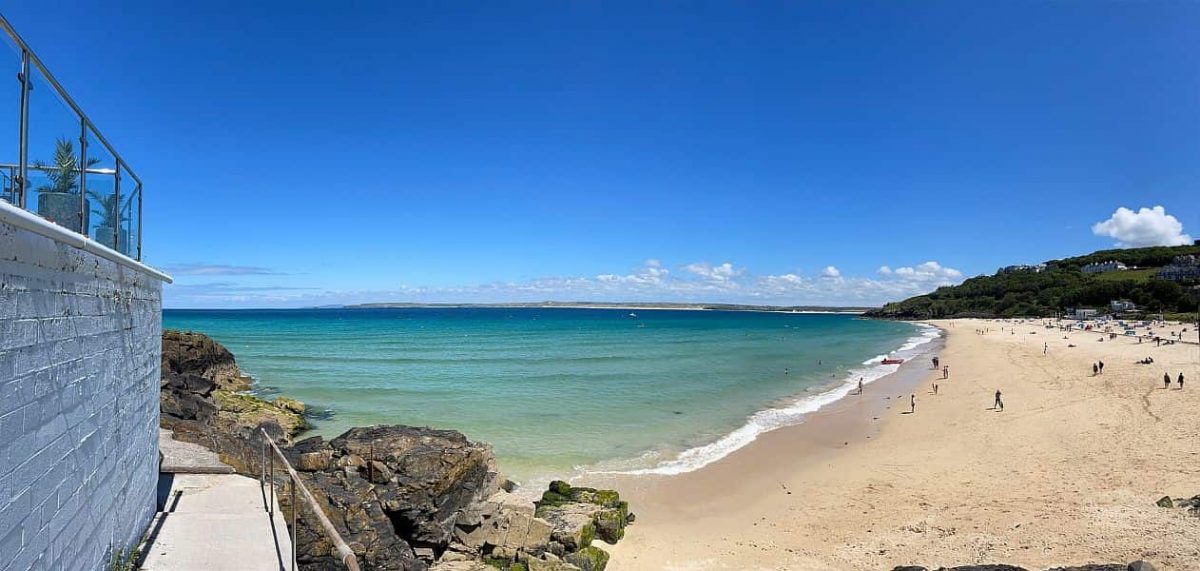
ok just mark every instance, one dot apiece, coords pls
pixel 588 559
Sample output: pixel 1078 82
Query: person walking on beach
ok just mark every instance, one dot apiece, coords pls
pixel 1095 370
pixel 1101 367
pixel 1045 348
pixel 1167 380
pixel 860 385
pixel 935 363
pixel 946 372
pixel 935 388
pixel 1181 381
pixel 999 404
pixel 912 404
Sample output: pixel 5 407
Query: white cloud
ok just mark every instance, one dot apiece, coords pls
pixel 722 273
pixel 217 270
pixel 1146 227
pixel 884 270
pixel 831 272
pixel 651 273
pixel 926 272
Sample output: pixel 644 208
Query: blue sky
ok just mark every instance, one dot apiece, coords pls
pixel 310 153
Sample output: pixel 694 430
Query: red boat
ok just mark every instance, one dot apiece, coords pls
pixel 892 361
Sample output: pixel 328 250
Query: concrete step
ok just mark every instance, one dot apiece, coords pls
pixel 187 458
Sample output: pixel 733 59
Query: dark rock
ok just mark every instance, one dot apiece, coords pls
pixel 1192 502
pixel 909 568
pixel 1140 565
pixel 187 397
pixel 394 493
pixel 986 567
pixel 198 354
pixel 1094 567
pixel 1165 502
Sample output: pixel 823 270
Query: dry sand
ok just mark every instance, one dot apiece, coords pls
pixel 1069 473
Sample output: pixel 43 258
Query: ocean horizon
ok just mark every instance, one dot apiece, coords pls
pixel 561 391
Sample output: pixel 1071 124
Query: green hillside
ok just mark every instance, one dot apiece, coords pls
pixel 1060 287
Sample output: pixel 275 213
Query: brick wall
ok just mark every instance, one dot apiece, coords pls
pixel 80 350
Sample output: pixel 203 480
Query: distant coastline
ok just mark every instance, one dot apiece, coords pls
pixel 645 306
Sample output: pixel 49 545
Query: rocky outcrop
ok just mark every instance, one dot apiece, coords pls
pixel 417 498
pixel 1192 504
pixel 187 353
pixel 393 492
pixel 1135 566
pixel 240 412
pixel 200 401
pixel 554 534
pixel 201 382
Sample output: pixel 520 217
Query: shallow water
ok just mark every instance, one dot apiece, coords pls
pixel 555 390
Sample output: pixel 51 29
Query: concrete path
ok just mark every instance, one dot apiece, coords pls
pixel 187 458
pixel 213 521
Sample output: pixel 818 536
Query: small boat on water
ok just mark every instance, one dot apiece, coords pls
pixel 892 361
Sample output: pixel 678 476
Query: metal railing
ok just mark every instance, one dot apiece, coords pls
pixel 82 174
pixel 346 555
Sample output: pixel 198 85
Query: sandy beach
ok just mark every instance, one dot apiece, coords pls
pixel 1068 473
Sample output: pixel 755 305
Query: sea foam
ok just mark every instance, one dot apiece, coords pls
pixel 770 419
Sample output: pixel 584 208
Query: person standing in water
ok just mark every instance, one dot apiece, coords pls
pixel 860 385
pixel 999 404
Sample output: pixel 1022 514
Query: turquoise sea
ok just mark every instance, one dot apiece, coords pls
pixel 560 390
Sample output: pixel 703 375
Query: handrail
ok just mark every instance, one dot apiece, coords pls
pixel 347 555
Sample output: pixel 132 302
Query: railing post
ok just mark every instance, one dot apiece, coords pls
pixel 117 205
pixel 295 511
pixel 141 197
pixel 271 484
pixel 83 210
pixel 23 145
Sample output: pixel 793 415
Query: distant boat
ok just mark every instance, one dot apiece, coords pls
pixel 891 361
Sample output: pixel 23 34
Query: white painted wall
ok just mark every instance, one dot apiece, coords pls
pixel 80 351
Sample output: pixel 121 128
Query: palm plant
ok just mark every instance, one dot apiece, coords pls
pixel 112 213
pixel 64 172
